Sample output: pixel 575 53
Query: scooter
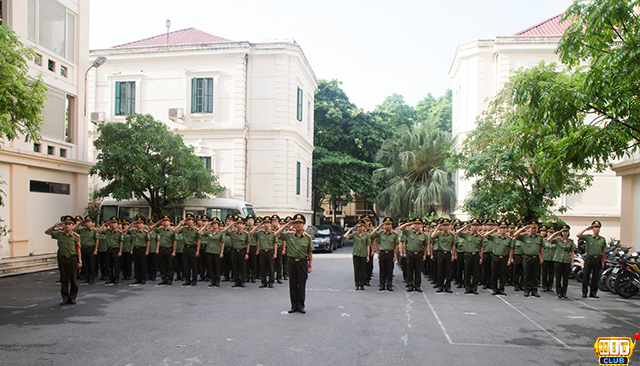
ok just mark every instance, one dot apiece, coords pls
pixel 627 283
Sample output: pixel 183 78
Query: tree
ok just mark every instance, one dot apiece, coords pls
pixel 601 48
pixel 439 110
pixel 395 112
pixel 142 159
pixel 346 140
pixel 516 167
pixel 414 173
pixel 21 97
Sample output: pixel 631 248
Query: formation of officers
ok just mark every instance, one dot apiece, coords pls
pixel 240 250
pixel 489 253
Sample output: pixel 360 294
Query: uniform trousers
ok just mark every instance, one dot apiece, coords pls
pixel 140 263
pixel 499 271
pixel 444 270
pixel 152 266
pixel 178 266
pixel 472 271
pixel 252 263
pixel 486 269
pixel 385 261
pixel 517 271
pixel 125 264
pixel 202 266
pixel 298 273
pixel 113 264
pixel 360 270
pixel 531 272
pixel 461 270
pixel 214 267
pixel 190 264
pixel 166 264
pixel 238 264
pixel 88 262
pixel 68 277
pixel 548 268
pixel 414 269
pixel 592 268
pixel 101 265
pixel 266 266
pixel 278 264
pixel 226 263
pixel 562 277
pixel 369 269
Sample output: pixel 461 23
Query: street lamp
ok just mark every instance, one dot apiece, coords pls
pixel 99 61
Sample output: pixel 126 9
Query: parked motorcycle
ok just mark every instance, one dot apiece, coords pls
pixel 627 282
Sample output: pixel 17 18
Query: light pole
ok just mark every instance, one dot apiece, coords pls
pixel 168 24
pixel 99 61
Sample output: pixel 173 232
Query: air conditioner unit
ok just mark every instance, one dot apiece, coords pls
pixel 97 117
pixel 176 113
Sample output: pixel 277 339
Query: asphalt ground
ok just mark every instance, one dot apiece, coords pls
pixel 175 325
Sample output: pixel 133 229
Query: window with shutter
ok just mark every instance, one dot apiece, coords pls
pixel 54 115
pixel 125 98
pixel 299 105
pixel 202 95
pixel 52 26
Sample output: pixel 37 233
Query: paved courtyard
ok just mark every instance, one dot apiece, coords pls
pixel 175 325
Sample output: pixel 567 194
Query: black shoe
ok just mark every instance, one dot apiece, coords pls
pixel 292 310
pixel 447 290
pixel 440 290
pixel 253 281
pixel 302 311
pixel 526 293
pixel 63 303
pixel 270 285
pixel 594 296
pixel 460 286
pixel 502 293
pixel 236 285
pixel 494 292
pixel 484 287
pixel 226 280
pixel 418 289
pixel 535 294
pixel 468 292
pixel 71 302
pixel 389 288
pixel 286 278
pixel 584 296
pixel 211 284
pixel 278 281
pixel 411 289
pixel 357 288
pixel 381 288
pixel 143 282
pixel 263 285
pixel 186 284
pixel 169 283
pixel 91 282
pixel 163 282
pixel 242 285
pixel 517 289
pixel 559 296
pixel 475 292
pixel 367 283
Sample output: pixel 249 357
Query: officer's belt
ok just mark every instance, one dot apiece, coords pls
pixel 474 253
pixel 593 256
pixel 387 251
pixel 445 251
pixel 531 256
pixel 499 256
pixel 190 246
pixel 299 259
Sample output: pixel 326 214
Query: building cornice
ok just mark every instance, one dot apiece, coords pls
pixel 239 133
pixel 44 161
pixel 627 167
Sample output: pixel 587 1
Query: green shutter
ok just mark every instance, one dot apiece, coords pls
pixel 208 96
pixel 299 104
pixel 118 113
pixel 194 95
pixel 131 97
pixel 298 178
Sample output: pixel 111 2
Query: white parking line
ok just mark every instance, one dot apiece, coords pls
pixel 437 318
pixel 534 323
pixel 18 307
pixel 604 312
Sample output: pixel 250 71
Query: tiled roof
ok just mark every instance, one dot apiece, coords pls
pixel 549 27
pixel 184 36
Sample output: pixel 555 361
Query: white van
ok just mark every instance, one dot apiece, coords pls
pixel 215 207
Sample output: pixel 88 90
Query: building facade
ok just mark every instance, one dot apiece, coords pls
pixel 479 70
pixel 47 179
pixel 246 108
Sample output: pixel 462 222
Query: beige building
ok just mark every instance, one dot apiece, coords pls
pixel 48 179
pixel 479 70
pixel 629 171
pixel 246 108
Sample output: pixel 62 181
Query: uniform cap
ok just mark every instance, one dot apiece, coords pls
pixel 596 223
pixel 299 218
pixel 259 219
pixel 78 218
pixel 388 220
pixel 205 219
pixel 445 221
pixel 166 218
pixel 151 222
pixel 125 222
pixel 89 218
pixel 417 220
pixel 266 220
pixel 474 222
pixel 189 217
pixel 113 219
pixel 288 218
pixel 565 227
pixel 543 228
pixel 360 222
pixel 250 216
pixel 282 221
pixel 365 218
pixel 68 218
pixel 215 220
pixel 230 216
pixel 504 223
pixel 241 220
pixel 491 222
pixel 199 217
pixel 275 217
pixel 534 222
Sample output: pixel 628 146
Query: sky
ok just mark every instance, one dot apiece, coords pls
pixel 375 47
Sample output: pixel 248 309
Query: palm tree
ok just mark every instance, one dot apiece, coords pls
pixel 414 176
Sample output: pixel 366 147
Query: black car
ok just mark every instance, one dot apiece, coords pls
pixel 325 238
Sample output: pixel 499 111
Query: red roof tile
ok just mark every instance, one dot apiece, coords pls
pixel 184 36
pixel 549 27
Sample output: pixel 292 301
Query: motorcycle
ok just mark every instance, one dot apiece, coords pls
pixel 576 267
pixel 627 282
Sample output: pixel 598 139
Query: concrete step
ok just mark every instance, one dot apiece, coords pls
pixel 22 265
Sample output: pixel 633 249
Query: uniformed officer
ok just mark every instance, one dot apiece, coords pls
pixel 152 258
pixel 387 249
pixel 189 233
pixel 445 240
pixel 518 283
pixel 595 250
pixel 361 252
pixel 501 258
pixel 266 250
pixel 201 220
pixel 226 258
pixel 370 224
pixel 485 267
pixel 252 261
pixel 548 265
pixel 69 259
pixel 240 250
pixel 300 257
pixel 278 265
pixel 474 246
pixel 178 260
pixel 139 249
pixel 126 259
pixel 89 244
pixel 166 249
pixel 562 258
pixel 459 272
pixel 414 250
pixel 533 252
pixel 213 240
pixel 113 238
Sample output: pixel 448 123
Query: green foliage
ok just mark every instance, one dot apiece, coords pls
pixel 142 159
pixel 437 110
pixel 346 140
pixel 414 175
pixel 395 112
pixel 21 97
pixel 515 163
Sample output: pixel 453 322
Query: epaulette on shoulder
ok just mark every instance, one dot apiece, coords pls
pixel 76 234
pixel 307 234
pixel 395 232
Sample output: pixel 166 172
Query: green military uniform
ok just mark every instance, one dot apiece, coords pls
pixel 267 247
pixel 213 243
pixel 563 259
pixel 518 282
pixel 252 262
pixel 593 263
pixel 191 238
pixel 113 239
pixel 361 250
pixel 501 247
pixel 166 237
pixel 298 249
pixel 531 248
pixel 445 244
pixel 416 242
pixel 88 246
pixel 239 246
pixel 126 260
pixel 152 258
pixel 68 249
pixel 139 241
pixel 387 248
pixel 472 246
pixel 178 264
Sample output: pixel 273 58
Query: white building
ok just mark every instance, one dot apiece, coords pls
pixel 479 70
pixel 247 108
pixel 47 179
